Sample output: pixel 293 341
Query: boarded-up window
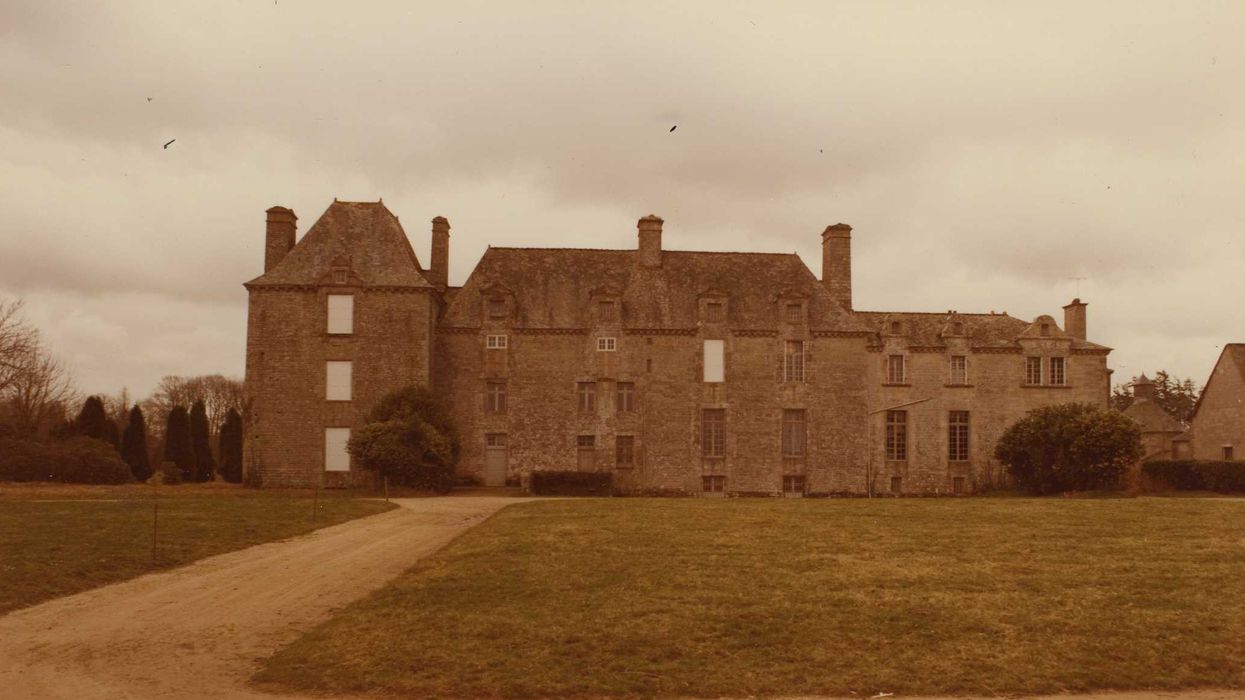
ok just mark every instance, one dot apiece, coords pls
pixel 1057 377
pixel 794 430
pixel 624 451
pixel 897 435
pixel 337 382
pixel 895 369
pixel 625 397
pixel 715 361
pixel 793 361
pixel 341 314
pixel 959 369
pixel 336 458
pixel 713 432
pixel 957 436
pixel 1033 370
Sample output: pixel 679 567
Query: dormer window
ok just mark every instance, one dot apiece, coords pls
pixel 1045 330
pixel 497 307
pixel 957 328
pixel 340 275
pixel 896 329
pixel 714 312
pixel 795 312
pixel 607 311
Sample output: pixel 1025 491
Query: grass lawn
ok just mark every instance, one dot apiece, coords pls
pixel 51 546
pixel 709 598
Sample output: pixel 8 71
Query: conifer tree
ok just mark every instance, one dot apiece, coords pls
pixel 134 445
pixel 230 448
pixel 178 445
pixel 205 465
pixel 93 422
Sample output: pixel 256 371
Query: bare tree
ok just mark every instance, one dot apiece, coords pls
pixel 218 393
pixel 17 341
pixel 41 394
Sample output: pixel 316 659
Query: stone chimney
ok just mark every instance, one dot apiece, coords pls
pixel 1074 319
pixel 439 265
pixel 650 241
pixel 1143 388
pixel 836 263
pixel 281 226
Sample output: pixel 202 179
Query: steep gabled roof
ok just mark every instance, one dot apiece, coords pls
pixel 988 330
pixel 552 288
pixel 366 235
pixel 1152 418
pixel 1234 355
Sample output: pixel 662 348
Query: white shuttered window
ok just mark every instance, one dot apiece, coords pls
pixel 341 313
pixel 336 458
pixel 715 361
pixel 338 380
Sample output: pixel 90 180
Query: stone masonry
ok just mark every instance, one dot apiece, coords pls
pixel 677 372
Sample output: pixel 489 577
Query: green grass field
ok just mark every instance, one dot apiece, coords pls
pixel 688 597
pixel 50 547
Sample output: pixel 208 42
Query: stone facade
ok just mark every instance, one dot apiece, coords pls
pixel 678 372
pixel 1217 428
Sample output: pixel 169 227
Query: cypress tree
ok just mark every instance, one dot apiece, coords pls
pixel 205 465
pixel 178 446
pixel 92 421
pixel 134 445
pixel 230 448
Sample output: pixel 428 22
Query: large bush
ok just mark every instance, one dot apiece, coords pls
pixel 1197 475
pixel 75 460
pixel 409 438
pixel 1069 447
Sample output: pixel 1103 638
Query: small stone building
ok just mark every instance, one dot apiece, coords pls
pixel 675 371
pixel 1217 427
pixel 1158 427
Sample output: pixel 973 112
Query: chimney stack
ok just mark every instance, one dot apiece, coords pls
pixel 280 236
pixel 439 265
pixel 650 241
pixel 1143 388
pixel 836 263
pixel 1074 319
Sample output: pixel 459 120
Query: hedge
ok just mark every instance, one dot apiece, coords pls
pixel 1197 474
pixel 549 483
pixel 76 460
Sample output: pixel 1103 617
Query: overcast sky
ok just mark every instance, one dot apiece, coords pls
pixel 986 154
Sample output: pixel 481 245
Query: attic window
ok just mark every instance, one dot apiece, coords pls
pixel 607 311
pixel 339 275
pixel 895 328
pixel 795 312
pixel 1045 329
pixel 713 312
pixel 497 307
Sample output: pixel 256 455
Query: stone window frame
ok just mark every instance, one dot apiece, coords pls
pixel 328 375
pixel 957 376
pixel 624 451
pixel 625 397
pixel 715 311
pixel 1057 371
pixel 794 484
pixel 794 433
pixel 713 432
pixel 794 363
pixel 713 483
pixel 793 312
pixel 586 397
pixel 958 436
pixel 495 439
pixel 1033 370
pixel 329 327
pixel 586 442
pixel 896 442
pixel 496 396
pixel 607 343
pixel 897 372
pixel 496 341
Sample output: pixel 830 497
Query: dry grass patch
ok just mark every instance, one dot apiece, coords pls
pixel 57 540
pixel 632 597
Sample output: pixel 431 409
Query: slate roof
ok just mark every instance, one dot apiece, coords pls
pixel 1152 418
pixel 1233 353
pixel 366 235
pixel 553 288
pixel 987 330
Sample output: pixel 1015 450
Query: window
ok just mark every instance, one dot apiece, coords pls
pixel 957 485
pixel 1228 455
pixel 896 436
pixel 625 397
pixel 624 451
pixel 497 307
pixel 1057 377
pixel 339 275
pixel 495 397
pixel 336 458
pixel 1033 370
pixel 586 453
pixel 957 436
pixel 713 432
pixel 607 311
pixel 959 369
pixel 587 394
pixel 795 313
pixel 793 483
pixel 896 484
pixel 715 361
pixel 341 314
pixel 607 344
pixel 1045 330
pixel 337 380
pixel 895 328
pixel 496 342
pixel 713 484
pixel 793 361
pixel 713 312
pixel 648 365
pixel 895 369
pixel 494 439
pixel 794 432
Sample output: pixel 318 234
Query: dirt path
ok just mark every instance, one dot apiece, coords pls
pixel 199 631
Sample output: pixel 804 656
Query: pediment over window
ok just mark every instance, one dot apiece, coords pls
pixel 497 301
pixel 1043 327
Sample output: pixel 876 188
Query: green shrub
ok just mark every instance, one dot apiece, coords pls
pixel 1069 447
pixel 1197 475
pixel 567 483
pixel 76 460
pixel 409 438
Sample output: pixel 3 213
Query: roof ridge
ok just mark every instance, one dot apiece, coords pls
pixel 943 313
pixel 633 250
